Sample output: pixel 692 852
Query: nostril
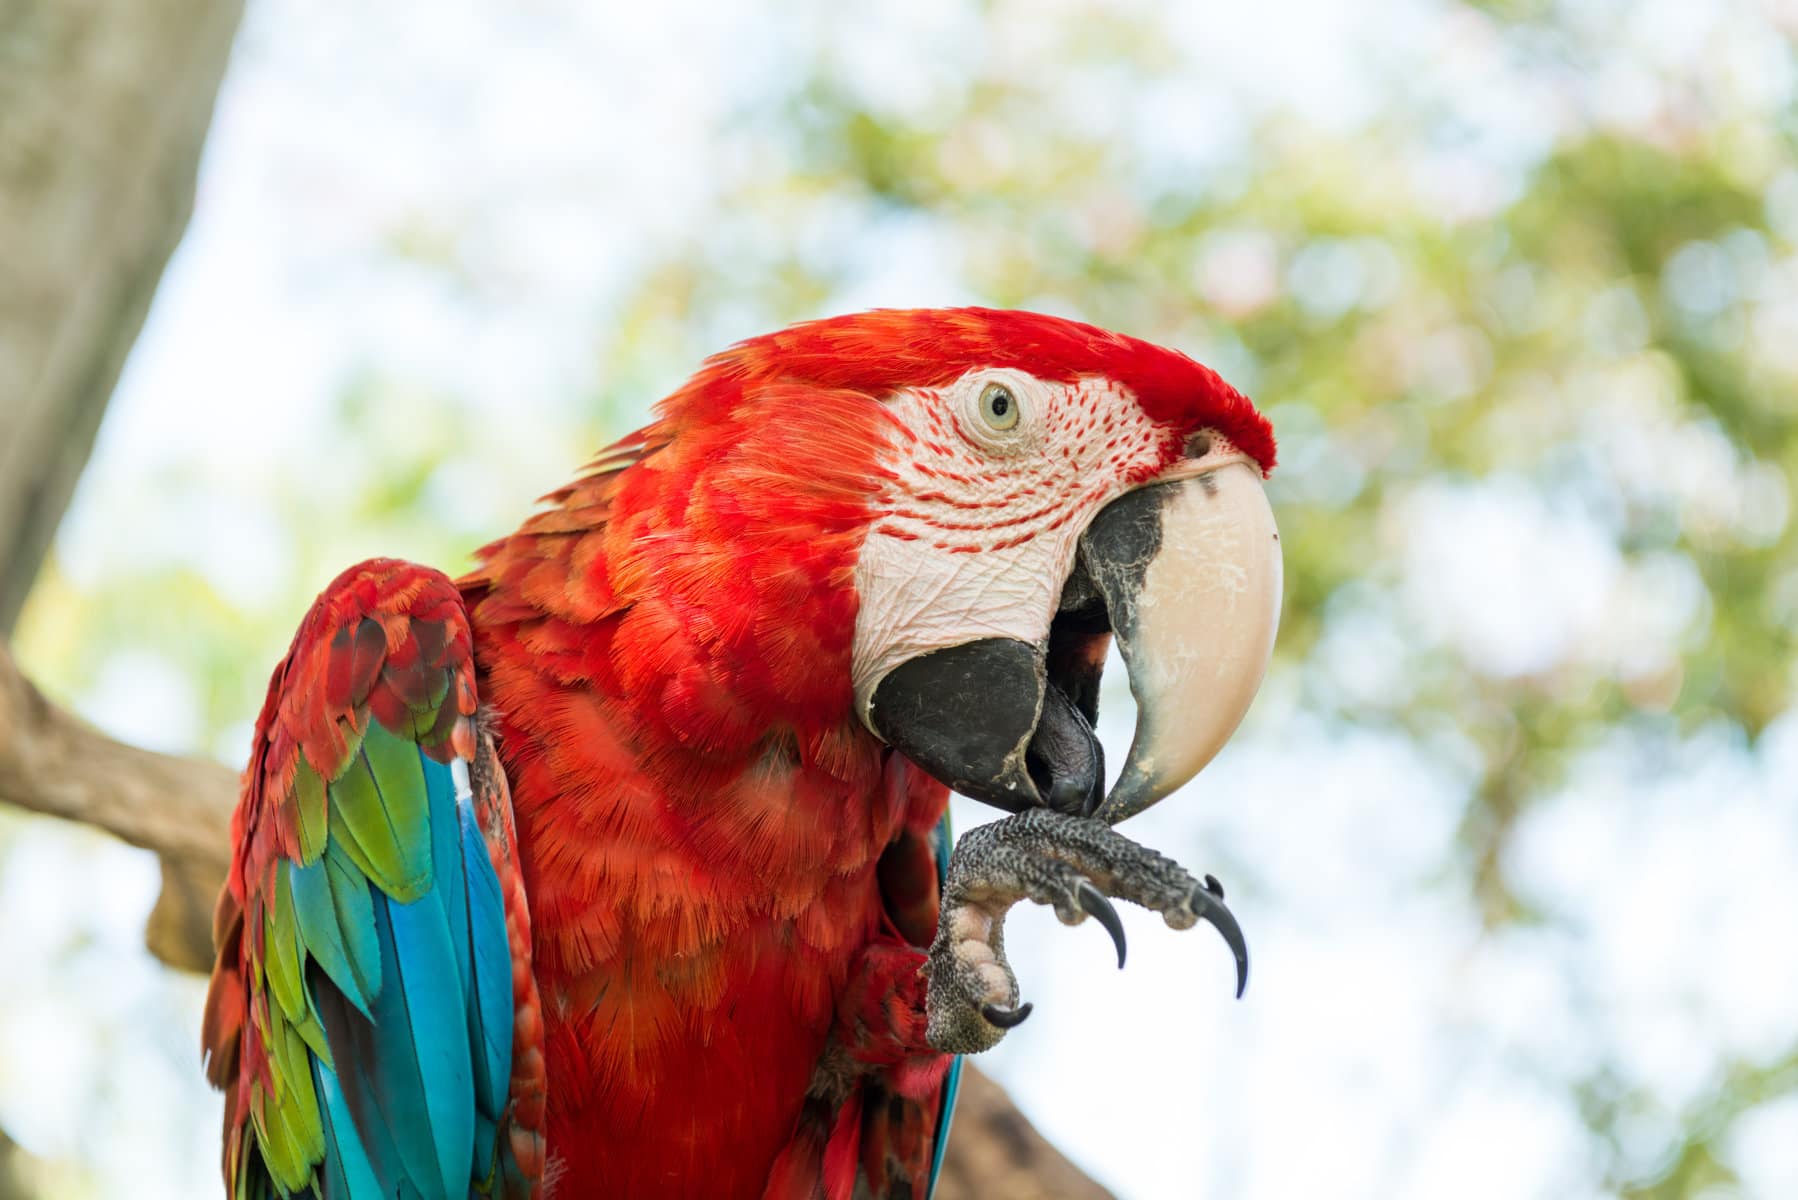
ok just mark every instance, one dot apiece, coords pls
pixel 1198 445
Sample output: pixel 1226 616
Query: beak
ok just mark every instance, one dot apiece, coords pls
pixel 1191 576
pixel 1187 575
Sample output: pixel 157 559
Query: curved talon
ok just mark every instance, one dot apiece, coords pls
pixel 1208 906
pixel 1093 901
pixel 1006 1018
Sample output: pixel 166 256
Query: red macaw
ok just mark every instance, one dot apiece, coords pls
pixel 618 867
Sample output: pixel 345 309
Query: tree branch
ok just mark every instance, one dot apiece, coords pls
pixel 53 762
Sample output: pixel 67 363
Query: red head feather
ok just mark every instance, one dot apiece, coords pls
pixel 880 352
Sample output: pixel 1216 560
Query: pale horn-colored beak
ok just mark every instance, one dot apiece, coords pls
pixel 1191 575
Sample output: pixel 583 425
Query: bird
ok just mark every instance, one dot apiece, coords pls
pixel 620 865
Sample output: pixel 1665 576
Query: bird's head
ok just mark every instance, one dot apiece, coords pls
pixel 1038 487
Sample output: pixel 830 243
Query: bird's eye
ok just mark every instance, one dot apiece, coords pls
pixel 998 407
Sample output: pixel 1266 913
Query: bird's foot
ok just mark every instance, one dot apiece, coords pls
pixel 1073 864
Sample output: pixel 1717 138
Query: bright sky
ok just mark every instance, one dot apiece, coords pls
pixel 1385 1049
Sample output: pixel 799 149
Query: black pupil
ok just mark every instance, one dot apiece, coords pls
pixel 1001 403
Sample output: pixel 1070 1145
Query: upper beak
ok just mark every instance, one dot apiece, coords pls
pixel 1187 575
pixel 1195 619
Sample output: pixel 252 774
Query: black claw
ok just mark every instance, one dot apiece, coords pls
pixel 1005 1018
pixel 1214 887
pixel 1207 904
pixel 1096 905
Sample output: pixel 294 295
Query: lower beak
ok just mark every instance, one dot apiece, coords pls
pixel 1187 576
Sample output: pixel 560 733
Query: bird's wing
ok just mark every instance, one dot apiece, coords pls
pixel 372 1017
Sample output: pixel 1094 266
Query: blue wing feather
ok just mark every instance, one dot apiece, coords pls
pixel 490 977
pixel 358 1117
pixel 315 910
pixel 428 987
pixel 347 1171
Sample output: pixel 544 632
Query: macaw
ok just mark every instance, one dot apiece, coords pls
pixel 619 866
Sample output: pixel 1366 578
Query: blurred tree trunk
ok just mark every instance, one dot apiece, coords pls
pixel 104 105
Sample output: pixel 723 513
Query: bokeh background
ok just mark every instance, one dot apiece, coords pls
pixel 1512 827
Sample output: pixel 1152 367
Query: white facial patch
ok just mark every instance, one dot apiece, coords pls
pixel 977 531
